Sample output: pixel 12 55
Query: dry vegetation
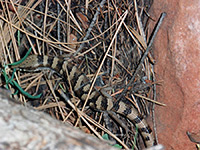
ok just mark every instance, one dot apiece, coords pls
pixel 104 39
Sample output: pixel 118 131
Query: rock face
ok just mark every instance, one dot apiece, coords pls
pixel 177 52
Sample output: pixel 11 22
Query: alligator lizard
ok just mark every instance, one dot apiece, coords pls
pixel 81 85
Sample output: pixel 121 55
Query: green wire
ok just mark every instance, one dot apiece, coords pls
pixel 13 83
pixel 20 61
pixel 16 85
pixel 18 38
pixel 25 93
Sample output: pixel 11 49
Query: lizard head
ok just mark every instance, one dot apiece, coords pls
pixel 30 63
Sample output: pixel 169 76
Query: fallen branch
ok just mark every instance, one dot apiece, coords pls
pixel 26 128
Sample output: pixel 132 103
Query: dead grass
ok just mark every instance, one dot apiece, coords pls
pixel 105 39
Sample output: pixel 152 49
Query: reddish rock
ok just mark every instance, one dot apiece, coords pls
pixel 177 52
